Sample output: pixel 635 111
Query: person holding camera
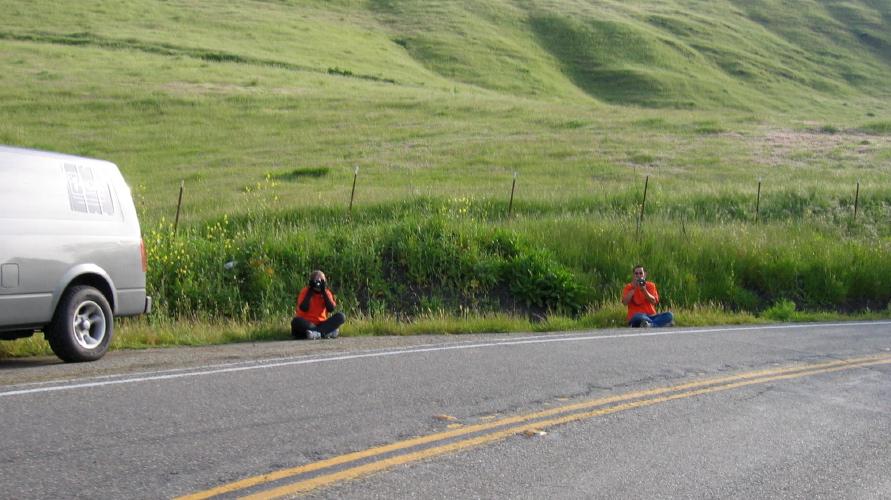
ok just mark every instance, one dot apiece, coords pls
pixel 641 298
pixel 315 302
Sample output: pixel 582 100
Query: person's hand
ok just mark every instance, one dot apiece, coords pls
pixel 323 286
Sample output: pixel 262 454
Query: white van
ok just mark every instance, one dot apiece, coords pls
pixel 71 253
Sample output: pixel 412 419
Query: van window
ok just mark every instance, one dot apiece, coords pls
pixel 53 190
pixel 87 193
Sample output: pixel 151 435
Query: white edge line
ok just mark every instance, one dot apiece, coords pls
pixel 538 339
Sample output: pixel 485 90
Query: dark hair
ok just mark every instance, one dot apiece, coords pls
pixel 636 267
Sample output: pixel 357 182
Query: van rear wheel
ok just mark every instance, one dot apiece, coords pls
pixel 82 327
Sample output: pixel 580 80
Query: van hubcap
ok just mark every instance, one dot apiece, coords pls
pixel 89 325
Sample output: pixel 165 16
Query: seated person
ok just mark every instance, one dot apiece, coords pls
pixel 314 303
pixel 641 297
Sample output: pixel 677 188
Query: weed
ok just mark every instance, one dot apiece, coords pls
pixel 783 310
pixel 338 71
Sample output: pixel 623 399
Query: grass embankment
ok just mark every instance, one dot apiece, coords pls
pixel 455 266
pixel 265 110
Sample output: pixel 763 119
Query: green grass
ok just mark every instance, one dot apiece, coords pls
pixel 264 111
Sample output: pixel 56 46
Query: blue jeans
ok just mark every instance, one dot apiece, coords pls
pixel 661 319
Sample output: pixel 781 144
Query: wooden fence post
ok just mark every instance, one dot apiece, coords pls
pixel 643 204
pixel 353 193
pixel 179 204
pixel 758 201
pixel 510 206
pixel 857 198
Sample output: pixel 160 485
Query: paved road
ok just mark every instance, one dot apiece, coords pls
pixel 780 411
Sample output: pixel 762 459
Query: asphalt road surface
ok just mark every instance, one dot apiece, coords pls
pixel 778 411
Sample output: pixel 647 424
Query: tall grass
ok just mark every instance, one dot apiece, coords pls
pixel 433 265
pixel 439 256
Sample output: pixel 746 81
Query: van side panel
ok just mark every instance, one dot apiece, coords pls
pixel 25 311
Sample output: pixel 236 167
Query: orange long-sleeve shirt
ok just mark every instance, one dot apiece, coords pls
pixel 317 310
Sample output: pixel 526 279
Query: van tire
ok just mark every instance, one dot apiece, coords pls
pixel 82 327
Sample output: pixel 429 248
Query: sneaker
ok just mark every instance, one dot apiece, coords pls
pixel 646 324
pixel 312 335
pixel 331 335
pixel 670 323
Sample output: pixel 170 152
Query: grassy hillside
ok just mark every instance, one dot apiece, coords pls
pixel 419 94
pixel 746 55
pixel 678 53
pixel 265 109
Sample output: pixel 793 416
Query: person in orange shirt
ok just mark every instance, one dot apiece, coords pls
pixel 315 302
pixel 641 298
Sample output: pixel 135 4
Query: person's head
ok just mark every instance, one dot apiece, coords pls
pixel 639 275
pixel 316 278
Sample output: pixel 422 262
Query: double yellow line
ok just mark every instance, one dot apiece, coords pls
pixel 500 429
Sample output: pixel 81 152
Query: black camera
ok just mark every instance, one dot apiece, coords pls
pixel 316 283
pixel 640 281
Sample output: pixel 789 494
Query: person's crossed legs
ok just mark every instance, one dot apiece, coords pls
pixel 328 329
pixel 641 320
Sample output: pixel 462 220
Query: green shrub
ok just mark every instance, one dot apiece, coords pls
pixel 299 173
pixel 538 281
pixel 783 310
